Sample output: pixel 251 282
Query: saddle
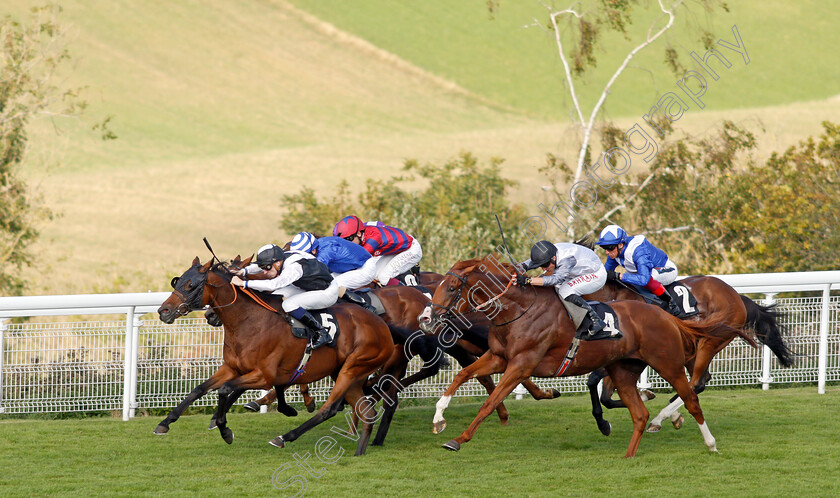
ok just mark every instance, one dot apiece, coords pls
pixel 610 318
pixel 371 300
pixel 679 293
pixel 326 318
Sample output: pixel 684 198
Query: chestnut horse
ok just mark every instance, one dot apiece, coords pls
pixel 714 296
pixel 260 350
pixel 538 344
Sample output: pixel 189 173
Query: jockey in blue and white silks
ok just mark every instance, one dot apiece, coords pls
pixel 647 266
pixel 349 263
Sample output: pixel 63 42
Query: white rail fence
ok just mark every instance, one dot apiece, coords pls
pixel 132 361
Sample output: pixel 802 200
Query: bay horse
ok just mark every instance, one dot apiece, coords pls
pixel 538 344
pixel 260 350
pixel 714 296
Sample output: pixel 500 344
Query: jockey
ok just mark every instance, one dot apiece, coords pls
pixel 350 264
pixel 646 265
pixel 394 251
pixel 303 281
pixel 573 270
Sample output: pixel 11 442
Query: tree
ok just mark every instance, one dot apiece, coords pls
pixel 579 35
pixel 30 54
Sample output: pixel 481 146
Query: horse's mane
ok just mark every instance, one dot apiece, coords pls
pixel 586 241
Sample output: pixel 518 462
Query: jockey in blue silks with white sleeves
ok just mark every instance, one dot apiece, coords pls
pixel 350 264
pixel 647 266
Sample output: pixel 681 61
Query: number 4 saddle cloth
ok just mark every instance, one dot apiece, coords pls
pixel 326 318
pixel 608 315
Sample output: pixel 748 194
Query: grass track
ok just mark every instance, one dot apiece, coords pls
pixel 777 443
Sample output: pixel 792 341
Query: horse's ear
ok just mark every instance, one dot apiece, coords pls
pixel 206 266
pixel 196 261
pixel 248 261
pixel 237 260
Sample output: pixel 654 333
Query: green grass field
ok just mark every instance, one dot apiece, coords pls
pixel 222 108
pixel 777 443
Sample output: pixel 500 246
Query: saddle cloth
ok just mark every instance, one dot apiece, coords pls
pixel 326 318
pixel 679 293
pixel 610 318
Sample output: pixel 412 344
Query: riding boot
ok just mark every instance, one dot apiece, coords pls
pixel 669 304
pixel 597 324
pixel 352 297
pixel 317 335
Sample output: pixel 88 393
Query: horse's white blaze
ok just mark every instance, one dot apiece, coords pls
pixel 441 405
pixel 708 438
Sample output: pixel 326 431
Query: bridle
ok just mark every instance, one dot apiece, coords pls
pixel 193 299
pixel 449 312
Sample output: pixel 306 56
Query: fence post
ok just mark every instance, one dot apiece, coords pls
pixel 822 364
pixel 520 391
pixel 644 383
pixel 127 373
pixel 765 379
pixel 135 344
pixel 2 354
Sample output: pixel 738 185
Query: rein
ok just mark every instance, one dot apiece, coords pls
pixel 480 307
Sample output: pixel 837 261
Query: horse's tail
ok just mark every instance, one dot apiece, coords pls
pixel 714 327
pixel 763 321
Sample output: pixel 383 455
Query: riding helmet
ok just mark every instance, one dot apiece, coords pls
pixel 612 235
pixel 303 242
pixel 269 254
pixel 541 254
pixel 349 225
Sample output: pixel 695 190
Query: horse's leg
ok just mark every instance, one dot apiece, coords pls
pixel 518 369
pixel 268 399
pixel 221 418
pixel 390 403
pixel 597 412
pixel 486 365
pixel 347 378
pixel 465 359
pixel 229 393
pixel 676 378
pixel 308 401
pixel 624 376
pixel 537 392
pixel 363 407
pixel 222 375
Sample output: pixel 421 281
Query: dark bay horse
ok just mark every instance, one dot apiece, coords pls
pixel 714 296
pixel 260 351
pixel 535 334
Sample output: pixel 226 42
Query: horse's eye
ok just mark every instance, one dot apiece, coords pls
pixel 451 289
pixel 188 285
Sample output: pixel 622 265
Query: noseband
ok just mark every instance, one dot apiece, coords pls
pixel 192 300
pixel 449 312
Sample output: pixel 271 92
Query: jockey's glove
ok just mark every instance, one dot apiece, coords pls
pixel 523 280
pixel 612 276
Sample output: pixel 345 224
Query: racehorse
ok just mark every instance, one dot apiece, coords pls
pixel 538 344
pixel 714 296
pixel 260 350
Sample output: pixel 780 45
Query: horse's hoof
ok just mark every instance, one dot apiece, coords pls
pixel 452 445
pixel 252 406
pixel 161 430
pixel 605 427
pixel 278 442
pixel 438 427
pixel 227 435
pixel 310 407
pixel 647 394
pixel 653 428
pixel 287 411
pixel 503 421
pixel 212 425
pixel 678 423
pixel 555 393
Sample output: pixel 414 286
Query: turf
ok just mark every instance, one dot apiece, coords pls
pixel 776 443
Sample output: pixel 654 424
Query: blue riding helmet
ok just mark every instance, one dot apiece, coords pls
pixel 304 242
pixel 612 235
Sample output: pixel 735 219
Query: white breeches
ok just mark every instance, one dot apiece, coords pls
pixel 359 277
pixel 582 284
pixel 296 297
pixel 388 267
pixel 665 278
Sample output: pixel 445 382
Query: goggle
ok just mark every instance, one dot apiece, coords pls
pixel 610 247
pixel 351 238
pixel 266 267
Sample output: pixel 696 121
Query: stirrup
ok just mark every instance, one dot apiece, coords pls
pixel 323 338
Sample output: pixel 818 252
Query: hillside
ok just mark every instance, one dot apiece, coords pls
pixel 221 109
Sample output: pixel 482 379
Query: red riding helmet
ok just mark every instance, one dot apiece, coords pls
pixel 347 227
